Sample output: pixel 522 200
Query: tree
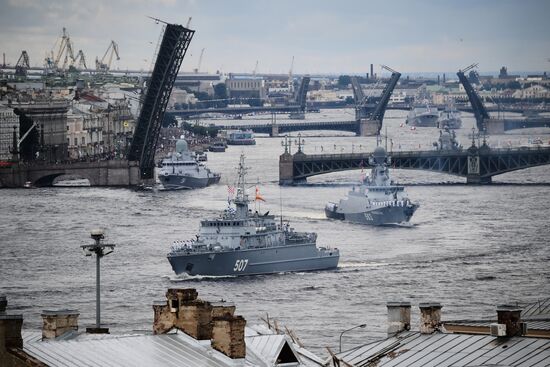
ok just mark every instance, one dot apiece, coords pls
pixel 169 120
pixel 212 131
pixel 220 91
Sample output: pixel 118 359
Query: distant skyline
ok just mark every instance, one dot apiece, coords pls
pixel 323 36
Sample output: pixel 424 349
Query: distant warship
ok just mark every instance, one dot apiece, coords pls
pixel 447 140
pixel 377 201
pixel 450 118
pixel 181 170
pixel 240 242
pixel 422 115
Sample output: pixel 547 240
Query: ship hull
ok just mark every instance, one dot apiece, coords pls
pixel 423 121
pixel 175 182
pixel 241 142
pixel 377 216
pixel 450 123
pixel 270 260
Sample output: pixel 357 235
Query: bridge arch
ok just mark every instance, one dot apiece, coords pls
pixel 47 180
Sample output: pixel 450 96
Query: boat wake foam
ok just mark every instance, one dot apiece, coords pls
pixel 191 278
pixel 357 264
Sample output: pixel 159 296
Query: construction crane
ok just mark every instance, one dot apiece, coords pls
pixel 200 61
pixel 103 65
pixel 255 69
pixel 80 60
pixel 290 81
pixel 23 64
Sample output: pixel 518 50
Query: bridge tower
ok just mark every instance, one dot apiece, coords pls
pixel 174 45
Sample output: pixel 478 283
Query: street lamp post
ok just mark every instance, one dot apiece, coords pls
pixel 99 249
pixel 345 331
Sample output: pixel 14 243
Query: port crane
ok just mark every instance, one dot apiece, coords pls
pixel 23 64
pixel 104 65
pixel 64 52
pixel 255 69
pixel 290 81
pixel 200 59
pixel 80 60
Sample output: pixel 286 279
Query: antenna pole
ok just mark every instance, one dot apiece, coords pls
pixel 97 292
pixel 281 205
pixel 98 248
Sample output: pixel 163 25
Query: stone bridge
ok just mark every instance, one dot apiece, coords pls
pixel 100 173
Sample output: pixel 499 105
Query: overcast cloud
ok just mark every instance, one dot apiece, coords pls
pixel 323 36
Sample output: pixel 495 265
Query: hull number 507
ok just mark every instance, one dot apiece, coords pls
pixel 240 265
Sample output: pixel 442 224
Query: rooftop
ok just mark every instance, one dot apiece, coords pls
pixel 442 349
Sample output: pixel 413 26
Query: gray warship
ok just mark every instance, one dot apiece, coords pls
pixel 450 118
pixel 377 201
pixel 422 115
pixel 182 170
pixel 242 242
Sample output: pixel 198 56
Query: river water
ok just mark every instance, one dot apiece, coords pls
pixel 469 247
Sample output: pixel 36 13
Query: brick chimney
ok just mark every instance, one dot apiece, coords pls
pixel 58 322
pixel 202 320
pixel 228 336
pixel 221 309
pixel 184 311
pixel 430 317
pixel 399 317
pixel 511 317
pixel 3 304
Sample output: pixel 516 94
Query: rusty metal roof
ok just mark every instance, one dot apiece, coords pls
pixel 453 350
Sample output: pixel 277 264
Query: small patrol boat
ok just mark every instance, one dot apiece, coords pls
pixel 377 201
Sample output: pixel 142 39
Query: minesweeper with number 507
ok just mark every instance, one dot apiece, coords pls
pixel 242 242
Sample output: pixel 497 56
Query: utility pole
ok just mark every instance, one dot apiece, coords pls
pixel 99 249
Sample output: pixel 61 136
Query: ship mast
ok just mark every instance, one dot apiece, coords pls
pixel 241 199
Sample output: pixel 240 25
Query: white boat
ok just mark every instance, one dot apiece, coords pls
pixel 72 182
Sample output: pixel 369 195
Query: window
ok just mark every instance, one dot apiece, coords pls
pixel 75 141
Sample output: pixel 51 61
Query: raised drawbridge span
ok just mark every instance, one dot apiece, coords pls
pixel 172 49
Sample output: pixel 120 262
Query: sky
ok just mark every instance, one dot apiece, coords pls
pixel 324 36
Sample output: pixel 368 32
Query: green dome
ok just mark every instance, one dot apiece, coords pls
pixel 181 146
